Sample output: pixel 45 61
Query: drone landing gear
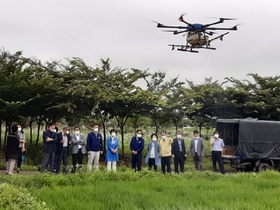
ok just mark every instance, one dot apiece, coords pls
pixel 185 50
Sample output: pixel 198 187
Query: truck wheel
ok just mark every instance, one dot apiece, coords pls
pixel 263 167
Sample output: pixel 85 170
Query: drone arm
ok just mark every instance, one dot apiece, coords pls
pixel 234 28
pixel 218 37
pixel 159 25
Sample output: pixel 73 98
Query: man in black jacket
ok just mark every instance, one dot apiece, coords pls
pixel 178 152
pixel 62 149
pixel 49 141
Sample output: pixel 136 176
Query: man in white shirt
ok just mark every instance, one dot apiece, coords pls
pixel 217 148
pixel 196 150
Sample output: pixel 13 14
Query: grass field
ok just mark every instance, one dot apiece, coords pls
pixel 150 190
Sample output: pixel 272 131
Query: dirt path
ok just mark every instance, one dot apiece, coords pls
pixel 3 172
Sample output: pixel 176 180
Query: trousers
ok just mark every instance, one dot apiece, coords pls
pixel 64 158
pixel 165 163
pixel 136 160
pixel 113 164
pixel 47 157
pixel 198 162
pixel 10 166
pixel 217 157
pixel 94 155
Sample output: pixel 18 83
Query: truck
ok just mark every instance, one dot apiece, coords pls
pixel 250 144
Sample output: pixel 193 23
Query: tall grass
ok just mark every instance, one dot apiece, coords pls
pixel 148 190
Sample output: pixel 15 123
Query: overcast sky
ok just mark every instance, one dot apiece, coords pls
pixel 124 32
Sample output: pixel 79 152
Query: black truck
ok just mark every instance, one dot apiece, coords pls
pixel 250 144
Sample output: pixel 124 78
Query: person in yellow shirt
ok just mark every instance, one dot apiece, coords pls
pixel 165 152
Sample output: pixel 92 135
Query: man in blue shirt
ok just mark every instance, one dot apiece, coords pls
pixel 94 147
pixel 136 147
pixel 178 152
pixel 217 145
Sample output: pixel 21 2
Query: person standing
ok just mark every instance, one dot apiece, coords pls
pixel 94 147
pixel 112 151
pixel 196 150
pixel 49 141
pixel 153 153
pixel 217 145
pixel 78 148
pixel 22 141
pixel 136 147
pixel 62 149
pixel 178 152
pixel 165 152
pixel 12 151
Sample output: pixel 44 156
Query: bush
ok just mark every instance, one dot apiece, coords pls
pixel 12 197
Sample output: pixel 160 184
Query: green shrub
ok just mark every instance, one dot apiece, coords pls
pixel 13 197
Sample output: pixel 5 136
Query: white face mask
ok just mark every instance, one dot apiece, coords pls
pixel 179 136
pixel 95 130
pixel 113 134
pixel 216 136
pixel 139 135
pixel 54 130
pixel 19 129
pixel 77 132
pixel 154 139
pixel 163 137
pixel 197 137
pixel 67 132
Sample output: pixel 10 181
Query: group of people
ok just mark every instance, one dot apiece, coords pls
pixel 160 153
pixel 56 149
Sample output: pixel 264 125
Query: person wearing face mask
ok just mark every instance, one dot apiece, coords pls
pixel 112 151
pixel 49 141
pixel 165 152
pixel 78 148
pixel 136 147
pixel 153 149
pixel 217 145
pixel 22 141
pixel 178 152
pixel 94 147
pixel 62 149
pixel 196 150
pixel 12 149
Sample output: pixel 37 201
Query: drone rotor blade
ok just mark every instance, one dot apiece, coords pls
pixel 182 20
pixel 234 28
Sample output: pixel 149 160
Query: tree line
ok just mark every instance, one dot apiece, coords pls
pixel 34 92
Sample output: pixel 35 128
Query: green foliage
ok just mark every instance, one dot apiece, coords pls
pixel 14 197
pixel 150 190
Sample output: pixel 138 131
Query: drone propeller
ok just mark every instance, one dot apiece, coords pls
pixel 210 33
pixel 182 20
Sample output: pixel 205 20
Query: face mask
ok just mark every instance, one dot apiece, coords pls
pixel 139 135
pixel 77 132
pixel 179 136
pixel 196 137
pixel 54 130
pixel 19 129
pixel 163 138
pixel 113 134
pixel 216 136
pixel 154 139
pixel 95 130
pixel 67 132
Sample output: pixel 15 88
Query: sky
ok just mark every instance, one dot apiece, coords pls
pixel 124 31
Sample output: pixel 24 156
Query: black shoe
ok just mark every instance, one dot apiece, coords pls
pixel 17 171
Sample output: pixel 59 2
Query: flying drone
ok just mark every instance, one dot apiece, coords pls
pixel 197 34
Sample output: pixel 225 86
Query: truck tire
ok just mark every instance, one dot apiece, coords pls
pixel 263 167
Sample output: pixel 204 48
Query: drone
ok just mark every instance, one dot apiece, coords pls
pixel 197 34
